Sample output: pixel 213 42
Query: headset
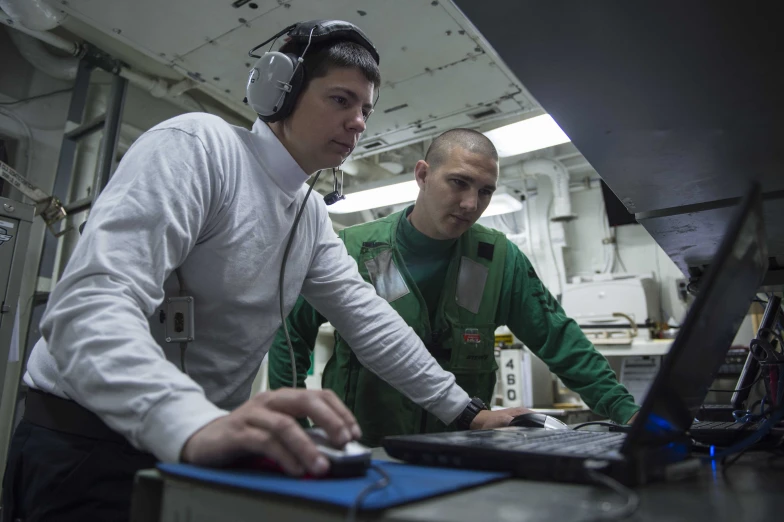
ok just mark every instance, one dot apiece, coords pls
pixel 275 81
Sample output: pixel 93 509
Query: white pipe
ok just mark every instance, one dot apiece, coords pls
pixel 159 88
pixel 34 52
pixel 36 15
pixel 529 233
pixel 181 87
pixel 237 106
pixel 52 39
pixel 555 170
pixel 155 86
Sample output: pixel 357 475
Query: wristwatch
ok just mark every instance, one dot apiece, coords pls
pixel 465 419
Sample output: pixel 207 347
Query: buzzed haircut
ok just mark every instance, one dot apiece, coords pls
pixel 466 139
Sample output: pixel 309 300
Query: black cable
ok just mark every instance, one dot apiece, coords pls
pixel 618 427
pixel 36 97
pixel 283 275
pixel 377 485
pixel 632 498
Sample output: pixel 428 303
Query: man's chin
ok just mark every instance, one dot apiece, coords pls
pixel 453 231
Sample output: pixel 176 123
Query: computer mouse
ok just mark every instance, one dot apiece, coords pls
pixel 538 420
pixel 352 460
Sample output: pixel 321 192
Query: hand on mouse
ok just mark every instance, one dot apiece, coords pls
pixel 266 425
pixel 487 419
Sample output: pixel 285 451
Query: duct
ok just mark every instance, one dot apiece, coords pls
pixel 63 68
pixel 55 41
pixel 36 15
pixel 555 170
pixel 157 87
pixel 34 52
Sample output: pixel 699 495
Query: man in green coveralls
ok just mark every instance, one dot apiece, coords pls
pixel 454 282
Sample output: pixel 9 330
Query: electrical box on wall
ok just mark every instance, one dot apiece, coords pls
pixel 15 221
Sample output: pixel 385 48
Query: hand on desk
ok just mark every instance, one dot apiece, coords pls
pixel 266 425
pixel 487 419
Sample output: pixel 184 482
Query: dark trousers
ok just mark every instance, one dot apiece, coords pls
pixel 53 475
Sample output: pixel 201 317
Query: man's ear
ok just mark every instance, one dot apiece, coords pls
pixel 421 171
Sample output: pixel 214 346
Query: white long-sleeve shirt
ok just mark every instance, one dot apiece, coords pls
pixel 218 202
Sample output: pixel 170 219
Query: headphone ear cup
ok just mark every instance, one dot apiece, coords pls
pixel 287 107
pixel 264 91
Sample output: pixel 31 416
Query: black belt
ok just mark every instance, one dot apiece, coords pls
pixel 58 414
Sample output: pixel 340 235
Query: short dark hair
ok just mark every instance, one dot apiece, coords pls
pixel 467 139
pixel 322 58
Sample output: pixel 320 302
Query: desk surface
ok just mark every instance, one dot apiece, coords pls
pixel 750 490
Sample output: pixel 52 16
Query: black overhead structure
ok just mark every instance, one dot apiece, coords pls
pixel 677 105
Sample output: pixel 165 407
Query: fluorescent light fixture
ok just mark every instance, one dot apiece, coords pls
pixel 502 202
pixel 528 135
pixel 377 197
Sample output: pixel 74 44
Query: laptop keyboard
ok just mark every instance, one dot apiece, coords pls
pixel 550 441
pixel 711 425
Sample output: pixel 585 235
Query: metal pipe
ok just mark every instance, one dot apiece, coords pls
pixel 34 52
pixel 111 134
pixel 555 170
pixel 69 47
pixel 36 15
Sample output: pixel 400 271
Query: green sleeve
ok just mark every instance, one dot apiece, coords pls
pixel 303 323
pixel 536 318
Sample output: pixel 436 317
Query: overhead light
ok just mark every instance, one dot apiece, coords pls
pixel 406 192
pixel 376 197
pixel 528 135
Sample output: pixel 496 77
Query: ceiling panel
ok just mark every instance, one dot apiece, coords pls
pixel 434 71
pixel 413 36
pixel 473 82
pixel 166 28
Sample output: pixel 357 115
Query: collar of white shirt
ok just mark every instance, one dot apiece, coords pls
pixel 282 168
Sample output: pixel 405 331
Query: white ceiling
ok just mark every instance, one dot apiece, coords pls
pixel 437 71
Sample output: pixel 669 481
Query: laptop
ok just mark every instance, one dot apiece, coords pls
pixel 659 437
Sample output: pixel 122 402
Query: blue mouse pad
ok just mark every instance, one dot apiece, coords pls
pixel 407 483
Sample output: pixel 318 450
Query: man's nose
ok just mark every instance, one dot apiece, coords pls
pixel 357 123
pixel 470 202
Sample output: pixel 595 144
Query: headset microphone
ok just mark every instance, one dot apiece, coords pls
pixel 337 189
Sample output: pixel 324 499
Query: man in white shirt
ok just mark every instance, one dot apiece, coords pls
pixel 201 208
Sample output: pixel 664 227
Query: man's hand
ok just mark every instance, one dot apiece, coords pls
pixel 266 425
pixel 487 419
pixel 631 419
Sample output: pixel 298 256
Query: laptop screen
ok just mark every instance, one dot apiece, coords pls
pixel 723 300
